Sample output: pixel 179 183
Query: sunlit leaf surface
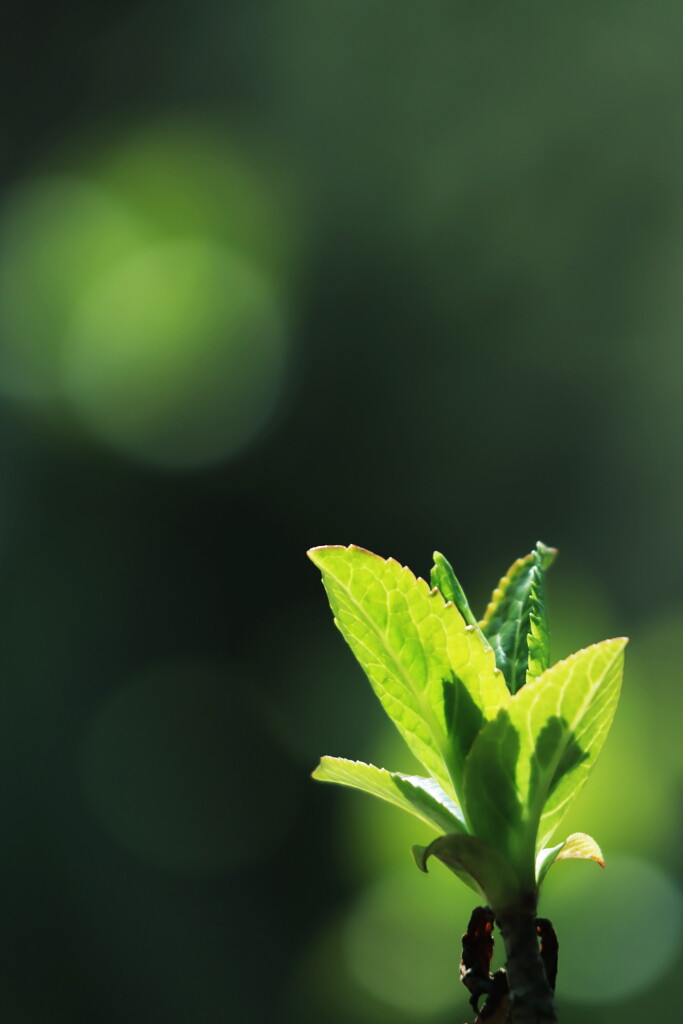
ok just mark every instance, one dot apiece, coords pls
pixel 581 846
pixel 515 621
pixel 433 674
pixel 443 577
pixel 422 797
pixel 578 846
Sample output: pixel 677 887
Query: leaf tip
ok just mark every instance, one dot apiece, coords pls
pixel 546 554
pixel 582 847
pixel 320 552
pixel 420 855
pixel 617 644
pixel 317 553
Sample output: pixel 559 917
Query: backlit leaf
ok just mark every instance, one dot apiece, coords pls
pixel 444 579
pixel 491 801
pixel 435 677
pixel 515 621
pixel 570 710
pixel 578 845
pixel 421 797
pixel 582 846
pixel 545 860
pixel 527 765
pixel 538 637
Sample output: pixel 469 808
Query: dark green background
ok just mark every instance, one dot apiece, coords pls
pixel 473 215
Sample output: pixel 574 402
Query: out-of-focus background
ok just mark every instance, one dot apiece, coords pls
pixel 277 273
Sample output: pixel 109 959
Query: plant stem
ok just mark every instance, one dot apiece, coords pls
pixel 531 997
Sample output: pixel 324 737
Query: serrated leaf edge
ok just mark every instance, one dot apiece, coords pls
pixel 452 814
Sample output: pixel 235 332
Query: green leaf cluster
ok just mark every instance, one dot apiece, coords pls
pixel 506 739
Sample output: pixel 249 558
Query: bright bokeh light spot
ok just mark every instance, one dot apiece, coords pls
pixel 402 941
pixel 144 294
pixel 164 765
pixel 188 180
pixel 57 237
pixel 619 929
pixel 177 356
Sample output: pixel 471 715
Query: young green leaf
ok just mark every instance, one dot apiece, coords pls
pixel 538 637
pixel 579 845
pixel 527 765
pixel 581 694
pixel 515 622
pixel 490 799
pixel 433 674
pixel 545 859
pixel 444 579
pixel 421 797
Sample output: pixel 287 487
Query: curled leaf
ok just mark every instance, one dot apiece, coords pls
pixel 470 857
pixel 545 860
pixel 582 846
pixel 578 845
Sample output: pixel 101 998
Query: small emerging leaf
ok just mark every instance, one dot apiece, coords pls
pixel 545 860
pixel 420 797
pixel 515 621
pixel 538 637
pixel 583 847
pixel 444 579
pixel 578 845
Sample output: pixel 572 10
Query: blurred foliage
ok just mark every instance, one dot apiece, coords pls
pixel 413 278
